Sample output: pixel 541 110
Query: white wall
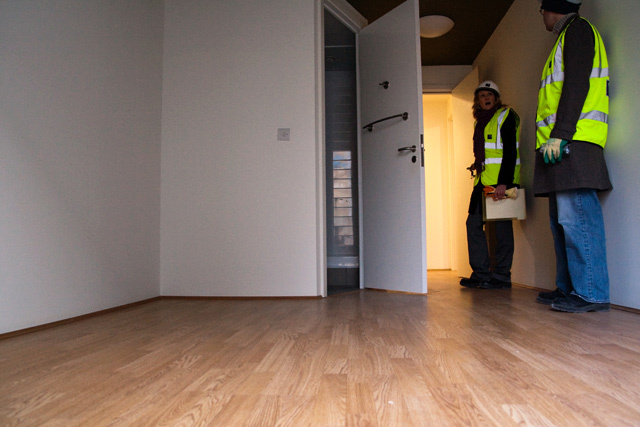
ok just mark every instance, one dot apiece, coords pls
pixel 80 131
pixel 239 207
pixel 618 22
pixel 80 87
pixel 514 57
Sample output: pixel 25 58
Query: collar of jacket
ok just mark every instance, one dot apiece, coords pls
pixel 557 29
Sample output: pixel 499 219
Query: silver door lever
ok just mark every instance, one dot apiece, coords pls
pixel 412 149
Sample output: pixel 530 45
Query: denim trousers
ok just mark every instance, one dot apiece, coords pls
pixel 479 250
pixel 578 235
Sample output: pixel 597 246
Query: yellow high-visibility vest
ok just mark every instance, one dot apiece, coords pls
pixel 493 149
pixel 593 123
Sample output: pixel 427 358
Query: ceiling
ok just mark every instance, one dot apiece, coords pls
pixel 475 21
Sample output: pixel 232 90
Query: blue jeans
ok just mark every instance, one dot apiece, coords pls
pixel 578 234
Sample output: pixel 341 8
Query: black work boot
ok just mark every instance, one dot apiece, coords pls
pixel 575 304
pixel 548 297
pixel 469 283
pixel 494 283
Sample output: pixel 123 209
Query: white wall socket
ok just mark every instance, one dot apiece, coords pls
pixel 284 134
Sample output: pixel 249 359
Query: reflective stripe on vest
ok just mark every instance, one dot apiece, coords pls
pixel 497 161
pixel 493 150
pixel 592 125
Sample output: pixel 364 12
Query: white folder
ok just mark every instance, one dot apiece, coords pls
pixel 498 210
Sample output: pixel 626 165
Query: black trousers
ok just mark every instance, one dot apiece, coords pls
pixel 479 258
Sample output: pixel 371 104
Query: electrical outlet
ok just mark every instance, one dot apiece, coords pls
pixel 284 134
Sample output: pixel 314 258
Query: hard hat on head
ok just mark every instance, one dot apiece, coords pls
pixel 561 6
pixel 488 85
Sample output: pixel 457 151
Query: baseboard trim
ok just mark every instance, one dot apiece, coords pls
pixel 74 319
pixel 214 298
pixel 390 291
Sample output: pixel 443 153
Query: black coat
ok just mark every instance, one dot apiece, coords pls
pixel 585 166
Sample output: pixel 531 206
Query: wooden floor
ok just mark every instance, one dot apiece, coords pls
pixel 455 357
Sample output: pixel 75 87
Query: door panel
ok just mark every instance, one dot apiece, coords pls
pixel 393 219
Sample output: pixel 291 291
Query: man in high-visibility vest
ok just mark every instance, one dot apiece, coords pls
pixel 571 127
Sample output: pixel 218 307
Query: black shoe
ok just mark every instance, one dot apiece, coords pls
pixel 469 283
pixel 495 284
pixel 548 297
pixel 575 304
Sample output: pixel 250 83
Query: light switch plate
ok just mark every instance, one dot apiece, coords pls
pixel 284 134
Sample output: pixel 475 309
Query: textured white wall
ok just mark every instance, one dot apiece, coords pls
pixel 80 122
pixel 617 22
pixel 238 206
pixel 80 92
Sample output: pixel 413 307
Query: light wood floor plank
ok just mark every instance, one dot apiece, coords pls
pixel 331 400
pixel 455 357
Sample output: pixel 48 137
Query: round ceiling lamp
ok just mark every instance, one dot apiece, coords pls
pixel 432 26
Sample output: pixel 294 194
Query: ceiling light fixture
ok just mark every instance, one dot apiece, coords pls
pixel 432 26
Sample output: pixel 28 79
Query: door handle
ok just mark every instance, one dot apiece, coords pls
pixel 412 149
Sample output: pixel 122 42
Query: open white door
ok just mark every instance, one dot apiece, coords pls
pixel 393 210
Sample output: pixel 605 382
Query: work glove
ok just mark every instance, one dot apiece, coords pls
pixel 511 193
pixel 553 150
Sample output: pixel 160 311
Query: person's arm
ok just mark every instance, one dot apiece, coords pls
pixel 579 49
pixel 509 150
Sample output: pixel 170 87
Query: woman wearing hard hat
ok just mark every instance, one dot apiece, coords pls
pixel 496 166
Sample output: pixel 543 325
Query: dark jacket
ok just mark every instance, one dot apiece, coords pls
pixel 585 166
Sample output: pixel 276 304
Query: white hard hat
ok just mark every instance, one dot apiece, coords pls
pixel 488 85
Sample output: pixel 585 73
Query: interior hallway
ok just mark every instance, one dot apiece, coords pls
pixel 454 357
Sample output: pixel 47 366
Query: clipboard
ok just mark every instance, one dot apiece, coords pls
pixel 505 209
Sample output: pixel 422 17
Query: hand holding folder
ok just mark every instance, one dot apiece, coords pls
pixel 512 206
pixel 511 193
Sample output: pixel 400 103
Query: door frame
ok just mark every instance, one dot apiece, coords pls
pixel 346 14
pixel 349 17
pixel 352 19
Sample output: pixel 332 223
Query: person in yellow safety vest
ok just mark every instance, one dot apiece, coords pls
pixel 571 128
pixel 497 164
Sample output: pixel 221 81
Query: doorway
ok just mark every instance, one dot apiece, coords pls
pixel 438 136
pixel 390 192
pixel 449 129
pixel 341 152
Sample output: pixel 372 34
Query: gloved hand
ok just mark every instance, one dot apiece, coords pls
pixel 511 193
pixel 553 150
